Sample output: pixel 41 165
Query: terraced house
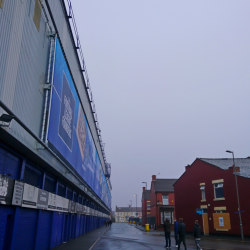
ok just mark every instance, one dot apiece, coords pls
pixel 122 214
pixel 207 192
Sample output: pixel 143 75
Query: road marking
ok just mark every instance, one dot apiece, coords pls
pixel 94 243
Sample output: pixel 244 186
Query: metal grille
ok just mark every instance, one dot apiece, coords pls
pixel 69 194
pixel 50 184
pixel 61 190
pixel 32 177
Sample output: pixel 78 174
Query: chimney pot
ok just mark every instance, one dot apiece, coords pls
pixel 153 177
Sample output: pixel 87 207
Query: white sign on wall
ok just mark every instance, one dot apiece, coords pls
pixel 30 195
pixel 18 194
pixel 221 221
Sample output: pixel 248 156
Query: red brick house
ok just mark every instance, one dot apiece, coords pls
pixel 209 185
pixel 162 201
pixel 145 202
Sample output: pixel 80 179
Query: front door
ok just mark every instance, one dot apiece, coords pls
pixel 205 222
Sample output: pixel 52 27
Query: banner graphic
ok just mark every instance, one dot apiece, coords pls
pixel 69 132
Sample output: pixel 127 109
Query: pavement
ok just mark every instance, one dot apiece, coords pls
pixel 126 236
pixel 207 237
pixel 85 241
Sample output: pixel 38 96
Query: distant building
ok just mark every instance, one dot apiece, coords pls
pixel 122 214
pixel 208 186
pixel 113 216
pixel 145 206
pixel 162 202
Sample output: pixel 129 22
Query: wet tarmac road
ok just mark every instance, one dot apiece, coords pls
pixel 123 236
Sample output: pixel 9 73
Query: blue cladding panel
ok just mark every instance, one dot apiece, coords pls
pixel 73 226
pixel 32 177
pixel 44 230
pixel 9 164
pixel 26 224
pixel 66 227
pixel 57 229
pixel 78 222
pixel 69 194
pixel 61 190
pixel 4 239
pixel 50 184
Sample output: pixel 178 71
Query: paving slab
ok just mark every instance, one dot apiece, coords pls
pixel 85 241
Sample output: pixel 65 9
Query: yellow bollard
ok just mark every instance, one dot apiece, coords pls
pixel 133 222
pixel 147 227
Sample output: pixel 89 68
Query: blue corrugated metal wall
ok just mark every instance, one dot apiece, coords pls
pixel 57 229
pixel 9 164
pixel 25 231
pixel 23 228
pixel 43 230
pixel 6 226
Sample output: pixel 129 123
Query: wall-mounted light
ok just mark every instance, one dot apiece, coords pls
pixel 5 120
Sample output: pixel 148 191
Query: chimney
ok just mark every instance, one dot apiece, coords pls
pixel 143 189
pixel 188 166
pixel 153 177
pixel 237 169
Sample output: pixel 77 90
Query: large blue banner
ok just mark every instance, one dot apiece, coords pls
pixel 69 132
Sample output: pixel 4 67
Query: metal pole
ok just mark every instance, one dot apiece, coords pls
pixel 241 228
pixel 136 205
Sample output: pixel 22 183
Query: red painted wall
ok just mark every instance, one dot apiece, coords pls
pixel 188 196
pixel 144 210
pixel 152 201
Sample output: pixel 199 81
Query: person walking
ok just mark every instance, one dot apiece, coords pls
pixel 110 223
pixel 167 230
pixel 197 234
pixel 176 232
pixel 182 233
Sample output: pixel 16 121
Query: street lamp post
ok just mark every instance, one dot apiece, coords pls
pixel 136 203
pixel 237 192
pixel 130 208
pixel 128 212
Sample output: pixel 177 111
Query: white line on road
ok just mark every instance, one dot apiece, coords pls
pixel 94 243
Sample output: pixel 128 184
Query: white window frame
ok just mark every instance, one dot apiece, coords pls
pixel 162 217
pixel 203 194
pixel 148 205
pixel 164 200
pixel 169 215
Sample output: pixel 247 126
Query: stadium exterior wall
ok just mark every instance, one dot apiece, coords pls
pixel 24 55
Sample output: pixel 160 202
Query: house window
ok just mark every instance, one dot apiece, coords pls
pixel 162 217
pixel 37 14
pixel 167 215
pixel 165 199
pixel 148 205
pixel 204 210
pixel 218 190
pixel 220 211
pixel 1 4
pixel 203 196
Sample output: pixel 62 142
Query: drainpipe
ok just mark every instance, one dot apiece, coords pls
pixel 47 87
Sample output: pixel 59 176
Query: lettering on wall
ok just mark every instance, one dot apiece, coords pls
pixel 67 114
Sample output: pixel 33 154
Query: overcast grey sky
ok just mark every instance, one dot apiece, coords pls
pixel 170 80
